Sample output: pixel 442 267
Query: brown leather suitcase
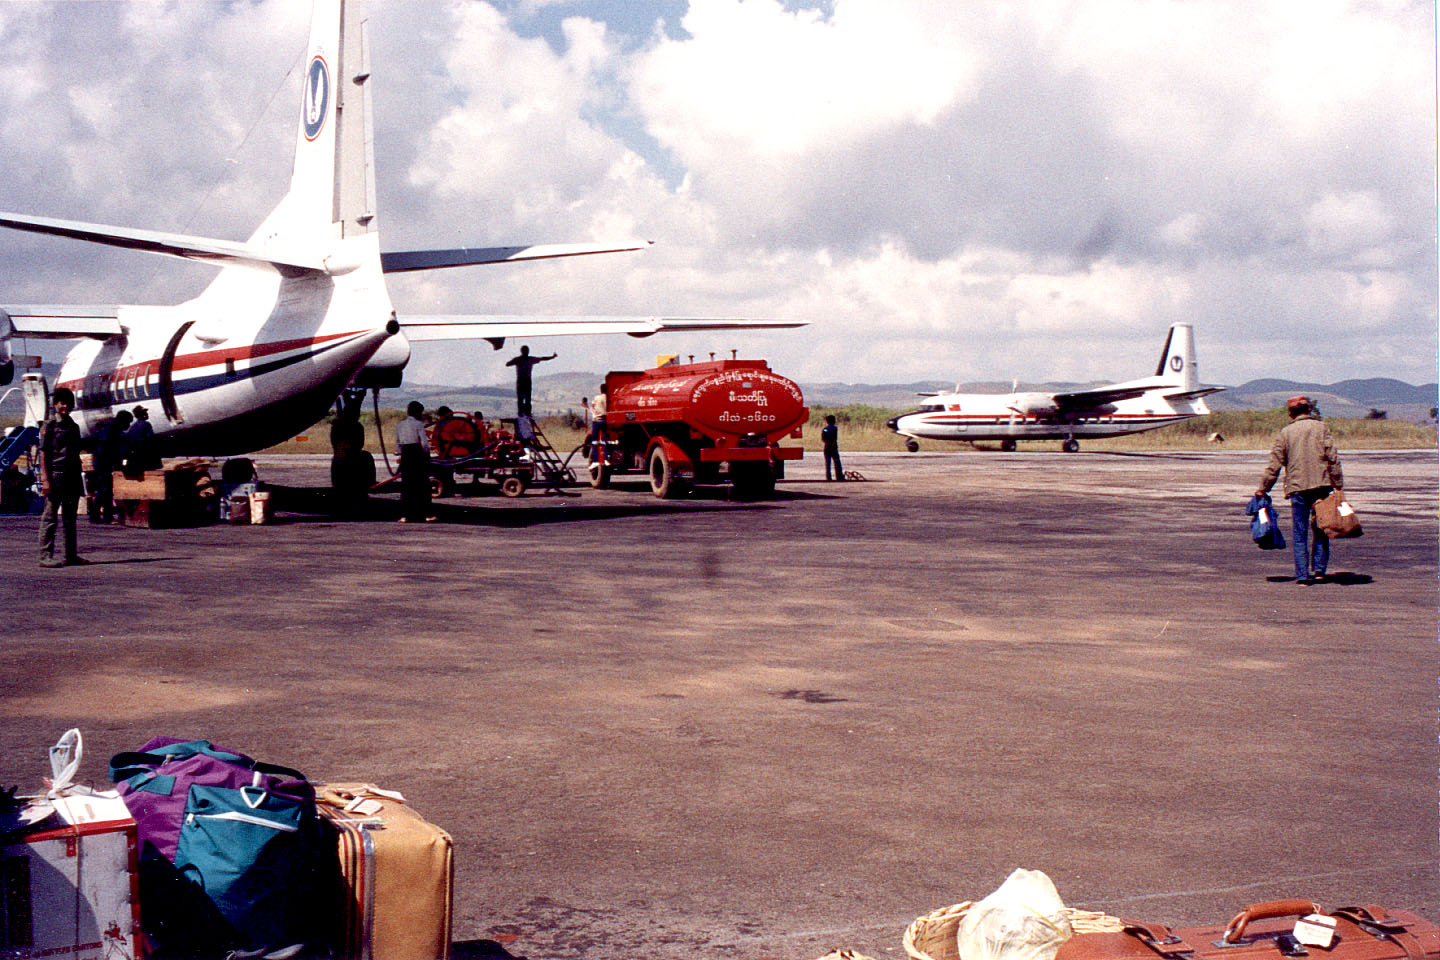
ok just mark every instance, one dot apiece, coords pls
pixel 1267 931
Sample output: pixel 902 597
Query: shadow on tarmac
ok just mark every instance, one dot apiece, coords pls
pixel 313 503
pixel 1342 579
pixel 480 950
pixel 108 563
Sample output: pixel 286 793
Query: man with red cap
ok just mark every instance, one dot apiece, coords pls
pixel 1306 452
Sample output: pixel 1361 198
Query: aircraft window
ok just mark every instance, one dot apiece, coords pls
pixel 931 407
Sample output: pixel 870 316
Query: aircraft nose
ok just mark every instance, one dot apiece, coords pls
pixel 893 423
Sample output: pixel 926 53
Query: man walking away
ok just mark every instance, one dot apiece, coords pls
pixel 1306 452
pixel 60 480
pixel 523 364
pixel 830 440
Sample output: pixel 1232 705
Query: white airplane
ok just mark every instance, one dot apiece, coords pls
pixel 299 312
pixel 1172 395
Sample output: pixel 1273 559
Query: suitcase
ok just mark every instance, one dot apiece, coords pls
pixel 397 874
pixel 1271 931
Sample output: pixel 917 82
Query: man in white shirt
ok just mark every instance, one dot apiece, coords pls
pixel 414 447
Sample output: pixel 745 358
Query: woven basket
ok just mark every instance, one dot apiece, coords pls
pixel 932 937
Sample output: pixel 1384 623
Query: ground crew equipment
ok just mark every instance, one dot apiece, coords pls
pixel 708 422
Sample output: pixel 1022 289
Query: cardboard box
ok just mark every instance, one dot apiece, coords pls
pixel 69 885
pixel 148 486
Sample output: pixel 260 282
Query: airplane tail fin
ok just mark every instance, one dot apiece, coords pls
pixel 332 184
pixel 1177 360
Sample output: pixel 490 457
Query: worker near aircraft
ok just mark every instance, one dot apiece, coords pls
pixel 830 442
pixel 414 447
pixel 598 405
pixel 110 453
pixel 523 364
pixel 141 437
pixel 60 482
pixel 1306 452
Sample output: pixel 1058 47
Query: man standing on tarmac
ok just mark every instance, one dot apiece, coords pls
pixel 1306 451
pixel 414 447
pixel 523 364
pixel 830 441
pixel 60 480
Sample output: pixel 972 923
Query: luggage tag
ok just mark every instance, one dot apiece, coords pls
pixel 365 806
pixel 1316 930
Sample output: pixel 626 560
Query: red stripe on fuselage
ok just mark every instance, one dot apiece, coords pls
pixel 191 361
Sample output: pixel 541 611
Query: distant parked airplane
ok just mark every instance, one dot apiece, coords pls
pixel 1172 395
pixel 298 313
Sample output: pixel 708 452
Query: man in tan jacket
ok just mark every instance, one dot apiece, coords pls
pixel 1306 452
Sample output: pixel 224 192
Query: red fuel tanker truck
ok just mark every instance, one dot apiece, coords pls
pixel 699 423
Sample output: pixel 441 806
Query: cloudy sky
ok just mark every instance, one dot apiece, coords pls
pixel 977 190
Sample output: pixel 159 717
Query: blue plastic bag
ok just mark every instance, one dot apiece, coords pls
pixel 1264 525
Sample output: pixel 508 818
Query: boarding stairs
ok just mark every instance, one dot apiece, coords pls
pixel 16 445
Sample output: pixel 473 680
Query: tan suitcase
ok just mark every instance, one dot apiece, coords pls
pixel 398 874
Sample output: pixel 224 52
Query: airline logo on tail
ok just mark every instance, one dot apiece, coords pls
pixel 317 97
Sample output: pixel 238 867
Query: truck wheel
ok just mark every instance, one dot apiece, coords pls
pixel 662 475
pixel 512 486
pixel 599 474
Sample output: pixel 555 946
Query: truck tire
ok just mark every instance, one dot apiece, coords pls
pixel 662 475
pixel 599 474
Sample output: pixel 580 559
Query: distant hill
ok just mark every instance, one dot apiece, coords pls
pixel 1348 398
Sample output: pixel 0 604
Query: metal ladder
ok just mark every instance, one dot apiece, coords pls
pixel 555 471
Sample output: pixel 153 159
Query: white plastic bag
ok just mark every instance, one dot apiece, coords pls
pixel 1022 920
pixel 64 764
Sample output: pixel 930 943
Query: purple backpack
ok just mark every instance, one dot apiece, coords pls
pixel 155 783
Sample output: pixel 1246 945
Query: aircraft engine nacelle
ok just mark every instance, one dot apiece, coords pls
pixel 7 359
pixel 1035 404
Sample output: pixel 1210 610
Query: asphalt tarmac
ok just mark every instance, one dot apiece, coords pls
pixel 706 728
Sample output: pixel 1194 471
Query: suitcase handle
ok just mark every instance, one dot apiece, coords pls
pixel 1267 911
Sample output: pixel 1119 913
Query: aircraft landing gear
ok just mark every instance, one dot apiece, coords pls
pixel 1071 445
pixel 1007 445
pixel 912 445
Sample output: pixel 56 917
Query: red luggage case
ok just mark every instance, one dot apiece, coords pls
pixel 1266 931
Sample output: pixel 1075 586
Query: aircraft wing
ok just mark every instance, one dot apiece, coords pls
pixel 50 322
pixel 150 241
pixel 1193 394
pixel 400 261
pixel 1098 397
pixel 497 328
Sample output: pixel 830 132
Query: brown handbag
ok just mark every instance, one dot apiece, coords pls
pixel 1336 518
